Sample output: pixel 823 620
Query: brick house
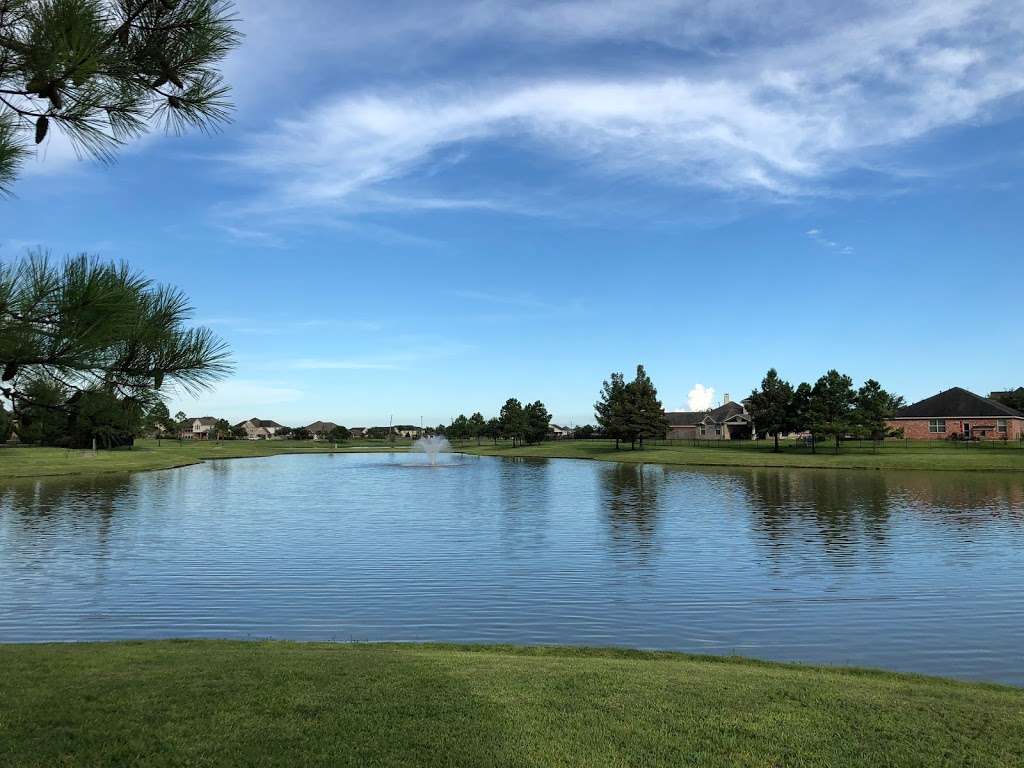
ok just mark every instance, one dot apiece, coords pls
pixel 259 429
pixel 957 412
pixel 320 429
pixel 197 429
pixel 729 421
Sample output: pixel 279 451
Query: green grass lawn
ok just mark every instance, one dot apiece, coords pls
pixel 147 454
pixel 217 703
pixel 923 457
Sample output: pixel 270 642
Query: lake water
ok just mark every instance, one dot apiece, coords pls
pixel 909 571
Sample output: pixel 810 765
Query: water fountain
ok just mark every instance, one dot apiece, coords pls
pixel 432 446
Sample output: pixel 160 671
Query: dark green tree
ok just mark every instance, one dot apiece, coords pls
pixel 513 420
pixel 5 424
pixel 301 433
pixel 538 421
pixel 43 416
pixel 222 429
pixel 645 415
pixel 832 405
pixel 238 432
pixel 772 406
pixel 339 434
pixel 476 426
pixel 459 429
pixel 611 410
pixel 104 71
pixel 158 420
pixel 1013 398
pixel 584 432
pixel 874 408
pixel 492 429
pixel 98 417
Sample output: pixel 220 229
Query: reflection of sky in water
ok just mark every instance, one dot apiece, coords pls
pixel 915 571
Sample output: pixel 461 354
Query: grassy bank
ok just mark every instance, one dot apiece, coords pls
pixel 148 454
pixel 214 703
pixel 912 457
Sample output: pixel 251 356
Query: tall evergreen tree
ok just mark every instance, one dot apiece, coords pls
pixel 538 421
pixel 645 416
pixel 832 407
pixel 874 408
pixel 513 420
pixel 772 407
pixel 611 410
pixel 104 71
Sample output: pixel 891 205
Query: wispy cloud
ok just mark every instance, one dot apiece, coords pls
pixel 778 116
pixel 824 241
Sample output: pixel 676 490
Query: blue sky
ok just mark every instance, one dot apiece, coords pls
pixel 423 209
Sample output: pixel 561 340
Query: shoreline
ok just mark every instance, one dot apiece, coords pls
pixel 28 463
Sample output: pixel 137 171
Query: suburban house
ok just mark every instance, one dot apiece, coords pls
pixel 197 429
pixel 320 429
pixel 260 429
pixel 359 432
pixel 959 414
pixel 729 421
pixel 406 431
pixel 556 432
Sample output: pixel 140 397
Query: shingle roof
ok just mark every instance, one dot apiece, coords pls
pixel 726 411
pixel 321 426
pixel 684 418
pixel 956 403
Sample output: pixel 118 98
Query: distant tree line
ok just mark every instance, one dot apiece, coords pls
pixel 830 408
pixel 522 424
pixel 630 411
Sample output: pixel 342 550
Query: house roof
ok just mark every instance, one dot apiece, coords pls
pixel 260 423
pixel 684 418
pixel 321 426
pixel 206 421
pixel 956 403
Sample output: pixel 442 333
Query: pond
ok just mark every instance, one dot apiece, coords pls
pixel 914 571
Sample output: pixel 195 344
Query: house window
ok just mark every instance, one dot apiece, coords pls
pixel 937 425
pixel 703 430
pixel 1002 426
pixel 718 430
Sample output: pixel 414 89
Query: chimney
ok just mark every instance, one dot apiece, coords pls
pixel 725 398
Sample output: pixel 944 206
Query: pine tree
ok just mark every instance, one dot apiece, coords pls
pixel 771 407
pixel 513 420
pixel 104 71
pixel 645 416
pixel 538 422
pixel 832 407
pixel 87 326
pixel 611 409
pixel 874 408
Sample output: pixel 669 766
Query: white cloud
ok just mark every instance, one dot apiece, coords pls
pixel 778 117
pixel 824 241
pixel 700 398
